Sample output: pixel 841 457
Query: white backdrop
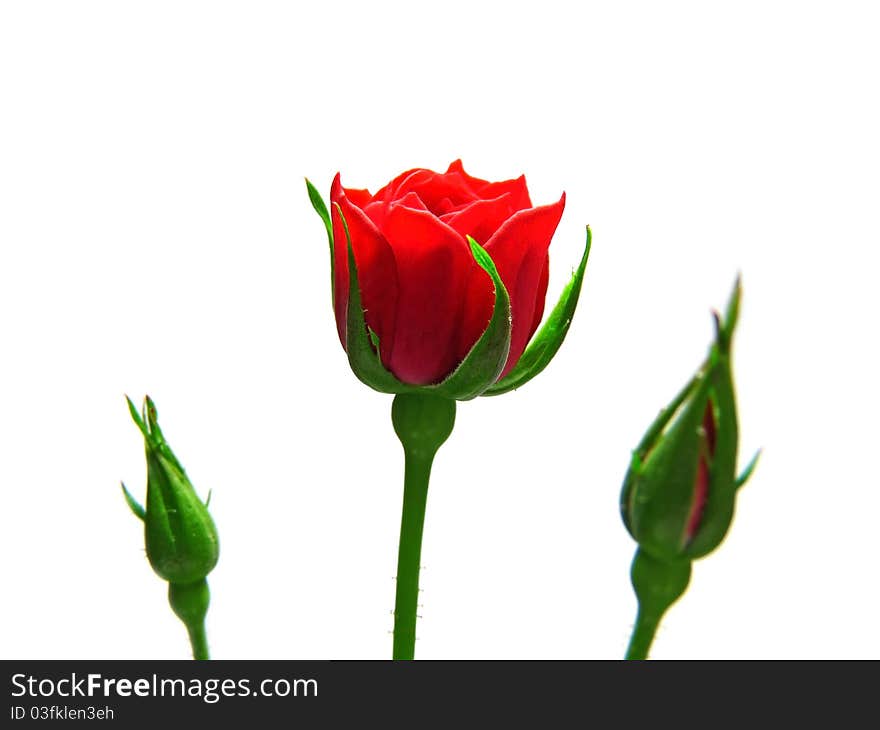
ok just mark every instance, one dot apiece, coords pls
pixel 157 238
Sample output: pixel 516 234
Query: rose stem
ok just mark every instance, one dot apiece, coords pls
pixel 658 584
pixel 198 639
pixel 422 423
pixel 642 636
pixel 190 602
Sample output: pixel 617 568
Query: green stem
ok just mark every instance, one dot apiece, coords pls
pixel 190 602
pixel 415 497
pixel 198 639
pixel 422 423
pixel 658 584
pixel 643 636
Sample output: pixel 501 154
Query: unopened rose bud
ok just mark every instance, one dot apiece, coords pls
pixel 679 494
pixel 180 536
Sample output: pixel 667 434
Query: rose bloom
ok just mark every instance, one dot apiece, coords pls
pixel 423 294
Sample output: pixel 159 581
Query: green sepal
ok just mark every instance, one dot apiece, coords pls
pixel 485 361
pixel 152 420
pixel 665 416
pixel 138 419
pixel 148 424
pixel 659 488
pixel 180 536
pixel 731 317
pixel 133 504
pixel 747 472
pixel 548 340
pixel 361 343
pixel 321 209
pixel 640 453
pixel 474 374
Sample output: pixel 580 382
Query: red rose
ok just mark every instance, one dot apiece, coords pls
pixel 439 282
pixel 423 294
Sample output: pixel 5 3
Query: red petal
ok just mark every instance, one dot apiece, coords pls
pixel 446 206
pixel 384 192
pixel 357 196
pixel 519 250
pixel 479 299
pixel 457 166
pixel 517 189
pixel 474 183
pixel 389 192
pixel 433 264
pixel 377 274
pixel 376 211
pixel 701 484
pixel 411 200
pixel 701 494
pixel 439 192
pixel 519 192
pixel 541 296
pixel 480 219
pixel 709 428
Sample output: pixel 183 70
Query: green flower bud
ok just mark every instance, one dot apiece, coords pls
pixel 679 494
pixel 181 538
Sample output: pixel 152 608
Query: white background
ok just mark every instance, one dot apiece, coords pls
pixel 156 237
